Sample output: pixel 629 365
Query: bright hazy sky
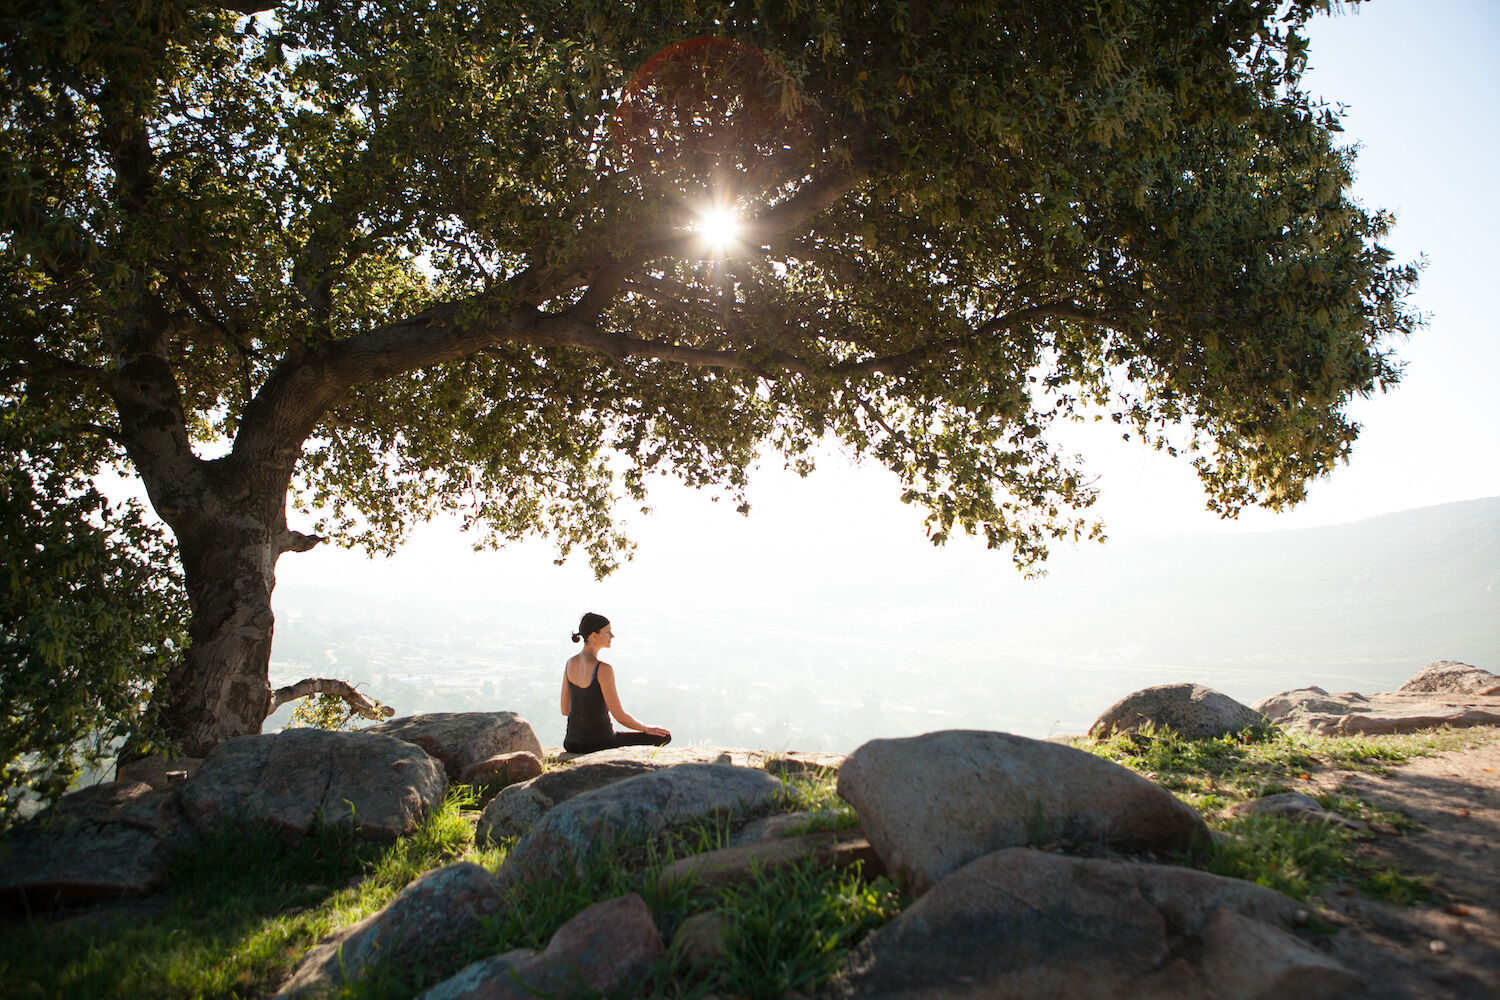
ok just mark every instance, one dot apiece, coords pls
pixel 1421 85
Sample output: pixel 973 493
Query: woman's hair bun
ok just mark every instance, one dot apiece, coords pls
pixel 589 624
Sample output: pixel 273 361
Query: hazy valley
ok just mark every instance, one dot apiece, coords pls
pixel 769 648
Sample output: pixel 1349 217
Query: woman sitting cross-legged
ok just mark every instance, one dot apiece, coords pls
pixel 589 697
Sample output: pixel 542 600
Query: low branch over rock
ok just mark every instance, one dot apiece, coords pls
pixel 363 706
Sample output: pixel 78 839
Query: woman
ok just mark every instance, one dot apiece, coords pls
pixel 589 697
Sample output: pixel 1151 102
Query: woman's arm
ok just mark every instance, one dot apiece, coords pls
pixel 567 698
pixel 612 702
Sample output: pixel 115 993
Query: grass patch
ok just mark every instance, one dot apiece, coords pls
pixel 1396 887
pixel 1213 773
pixel 1293 857
pixel 241 909
pixel 1290 857
pixel 789 931
pixel 786 930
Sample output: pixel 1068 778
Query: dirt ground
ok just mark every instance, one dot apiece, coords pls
pixel 1450 949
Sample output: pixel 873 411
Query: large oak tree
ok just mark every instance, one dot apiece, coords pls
pixel 394 257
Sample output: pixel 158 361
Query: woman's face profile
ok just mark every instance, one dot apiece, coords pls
pixel 603 637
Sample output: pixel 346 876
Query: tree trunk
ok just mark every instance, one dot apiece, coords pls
pixel 229 517
pixel 221 688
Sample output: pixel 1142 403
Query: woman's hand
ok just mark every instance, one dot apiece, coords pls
pixel 656 731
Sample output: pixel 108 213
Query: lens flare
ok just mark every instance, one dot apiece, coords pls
pixel 718 228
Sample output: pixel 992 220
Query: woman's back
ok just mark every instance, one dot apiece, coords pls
pixel 588 716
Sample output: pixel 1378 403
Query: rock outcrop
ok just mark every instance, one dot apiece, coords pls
pixel 1027 923
pixel 1443 693
pixel 1346 712
pixel 98 843
pixel 1190 710
pixel 931 804
pixel 157 771
pixel 1452 677
pixel 635 809
pixel 461 740
pixel 437 909
pixel 603 950
pixel 294 780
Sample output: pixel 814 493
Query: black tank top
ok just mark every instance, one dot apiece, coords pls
pixel 588 716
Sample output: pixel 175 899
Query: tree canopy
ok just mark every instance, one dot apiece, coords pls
pixel 397 258
pixel 91 614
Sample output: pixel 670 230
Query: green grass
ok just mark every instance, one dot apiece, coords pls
pixel 1297 858
pixel 241 909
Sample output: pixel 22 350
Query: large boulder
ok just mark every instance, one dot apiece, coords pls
pixel 293 780
pixel 930 804
pixel 160 772
pixel 1191 710
pixel 438 909
pixel 502 769
pixel 518 807
pixel 1346 713
pixel 1452 677
pixel 636 809
pixel 463 739
pixel 1026 923
pixel 98 843
pixel 603 950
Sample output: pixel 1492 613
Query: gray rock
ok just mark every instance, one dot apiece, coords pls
pixel 503 769
pixel 1309 700
pixel 603 950
pixel 98 843
pixel 1347 713
pixel 932 803
pixel 154 770
pixel 1452 677
pixel 439 908
pixel 1025 923
pixel 518 807
pixel 1191 710
pixel 463 739
pixel 635 809
pixel 792 824
pixel 292 780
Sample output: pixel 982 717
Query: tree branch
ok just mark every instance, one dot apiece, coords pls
pixel 43 366
pixel 362 706
pixel 296 541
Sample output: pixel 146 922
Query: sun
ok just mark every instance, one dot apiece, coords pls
pixel 718 227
